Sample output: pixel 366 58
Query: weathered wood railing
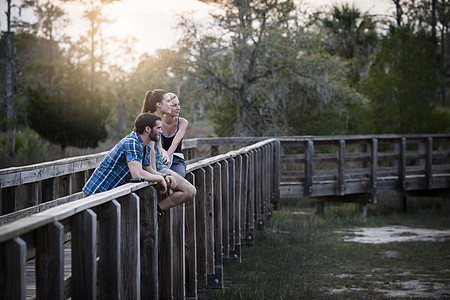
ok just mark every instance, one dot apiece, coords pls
pixel 119 248
pixel 338 166
pixel 323 168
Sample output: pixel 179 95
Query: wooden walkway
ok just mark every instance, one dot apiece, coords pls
pixel 119 248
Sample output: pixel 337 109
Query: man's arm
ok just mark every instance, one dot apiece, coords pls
pixel 137 172
pixel 170 180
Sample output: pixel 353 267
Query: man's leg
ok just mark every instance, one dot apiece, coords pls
pixel 182 193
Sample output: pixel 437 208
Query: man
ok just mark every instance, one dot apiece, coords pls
pixel 129 159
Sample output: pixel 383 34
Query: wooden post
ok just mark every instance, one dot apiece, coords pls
pixel 12 269
pixel 48 189
pixel 84 255
pixel 340 180
pixel 165 254
pixel 269 179
pixel 402 172
pixel 200 213
pixel 149 242
pixel 309 152
pixel 402 165
pixel 234 253
pixel 244 197
pixel 259 213
pixel 191 244
pixel 131 261
pixel 238 183
pixel 209 219
pixel 429 163
pixel 320 207
pixel 214 150
pixel 446 202
pixel 373 170
pixel 179 258
pixel 80 179
pixel 277 175
pixel 109 264
pixel 50 262
pixel 31 194
pixel 250 216
pixel 218 246
pixel 225 209
pixel 65 185
pixel 8 200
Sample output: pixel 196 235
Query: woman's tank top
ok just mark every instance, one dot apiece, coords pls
pixel 168 139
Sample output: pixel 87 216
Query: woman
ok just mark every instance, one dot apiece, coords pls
pixel 157 102
pixel 173 130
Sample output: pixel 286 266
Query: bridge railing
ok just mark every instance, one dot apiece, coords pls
pixel 311 166
pixel 112 245
pixel 339 167
pixel 30 189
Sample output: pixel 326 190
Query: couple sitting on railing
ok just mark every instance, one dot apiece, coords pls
pixel 139 156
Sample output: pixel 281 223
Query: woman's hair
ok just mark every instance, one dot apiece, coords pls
pixel 172 96
pixel 143 120
pixel 150 100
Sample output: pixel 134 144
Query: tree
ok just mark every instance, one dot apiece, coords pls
pixel 433 18
pixel 250 42
pixel 402 85
pixel 351 35
pixel 50 17
pixel 71 115
pixel 11 110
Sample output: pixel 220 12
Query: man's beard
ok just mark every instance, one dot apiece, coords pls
pixel 153 137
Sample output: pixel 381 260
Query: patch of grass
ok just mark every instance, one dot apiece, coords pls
pixel 299 255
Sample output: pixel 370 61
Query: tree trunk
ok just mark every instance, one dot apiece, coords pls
pixel 92 56
pixel 433 35
pixel 11 113
pixel 398 10
pixel 122 116
pixel 444 33
pixel 244 103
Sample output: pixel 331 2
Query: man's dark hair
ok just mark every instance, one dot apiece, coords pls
pixel 143 120
pixel 150 100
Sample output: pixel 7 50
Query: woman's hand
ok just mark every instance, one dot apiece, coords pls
pixel 165 157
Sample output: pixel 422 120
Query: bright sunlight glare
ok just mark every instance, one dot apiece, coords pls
pixel 152 22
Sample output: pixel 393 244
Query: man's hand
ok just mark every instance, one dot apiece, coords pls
pixel 162 185
pixel 171 181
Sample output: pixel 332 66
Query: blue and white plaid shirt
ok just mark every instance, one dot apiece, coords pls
pixel 113 170
pixel 158 156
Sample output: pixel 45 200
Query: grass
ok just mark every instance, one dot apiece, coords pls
pixel 299 255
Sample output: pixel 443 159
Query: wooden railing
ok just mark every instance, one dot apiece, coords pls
pixel 30 189
pixel 341 166
pixel 130 252
pixel 118 248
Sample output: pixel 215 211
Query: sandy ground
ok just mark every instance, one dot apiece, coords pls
pixel 390 234
pixel 426 286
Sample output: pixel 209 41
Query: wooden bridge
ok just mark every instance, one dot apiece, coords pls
pixel 54 244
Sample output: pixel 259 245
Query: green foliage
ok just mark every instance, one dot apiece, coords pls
pixel 402 87
pixel 70 117
pixel 29 148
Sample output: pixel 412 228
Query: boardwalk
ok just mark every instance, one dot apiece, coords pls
pixel 117 247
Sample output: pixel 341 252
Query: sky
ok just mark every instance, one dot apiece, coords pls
pixel 152 22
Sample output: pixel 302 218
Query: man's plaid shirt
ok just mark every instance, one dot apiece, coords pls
pixel 113 170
